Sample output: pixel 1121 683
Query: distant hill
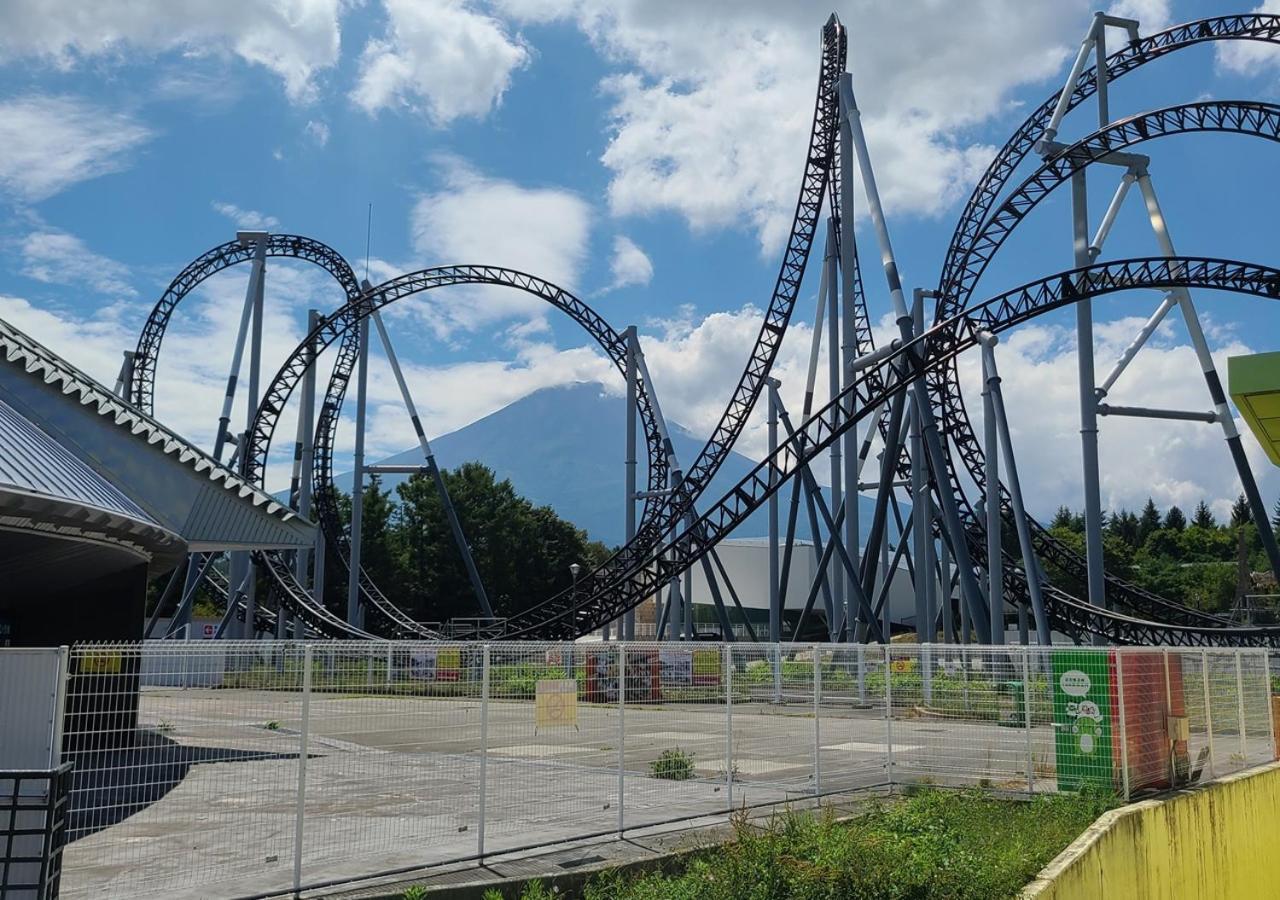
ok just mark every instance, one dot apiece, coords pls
pixel 564 447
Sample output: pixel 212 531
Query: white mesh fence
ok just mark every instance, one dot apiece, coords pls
pixel 225 769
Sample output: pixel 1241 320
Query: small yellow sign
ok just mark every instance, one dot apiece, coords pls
pixel 555 703
pixel 100 664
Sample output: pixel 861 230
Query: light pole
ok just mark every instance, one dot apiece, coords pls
pixel 574 569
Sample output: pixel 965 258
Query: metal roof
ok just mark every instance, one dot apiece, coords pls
pixel 33 462
pixel 19 349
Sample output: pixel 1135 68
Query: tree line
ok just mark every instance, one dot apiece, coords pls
pixel 522 551
pixel 1199 562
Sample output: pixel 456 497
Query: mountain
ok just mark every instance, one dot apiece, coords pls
pixel 564 447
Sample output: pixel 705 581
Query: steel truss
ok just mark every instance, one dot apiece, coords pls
pixel 911 384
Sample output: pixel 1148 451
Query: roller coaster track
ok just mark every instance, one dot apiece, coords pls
pixel 609 340
pixel 979 233
pixel 289 592
pixel 666 544
pixel 876 385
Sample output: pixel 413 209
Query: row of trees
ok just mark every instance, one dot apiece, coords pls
pixel 522 551
pixel 1197 561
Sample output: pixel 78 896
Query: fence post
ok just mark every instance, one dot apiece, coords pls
pixel 728 721
pixel 391 661
pixel 1208 710
pixel 622 736
pixel 484 745
pixel 1244 746
pixel 777 673
pixel 817 721
pixel 1124 725
pixel 1266 694
pixel 1026 717
pixel 1168 711
pixel 888 712
pixel 303 736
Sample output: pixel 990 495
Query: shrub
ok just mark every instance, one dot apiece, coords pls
pixel 673 765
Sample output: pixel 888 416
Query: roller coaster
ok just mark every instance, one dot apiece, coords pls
pixel 904 396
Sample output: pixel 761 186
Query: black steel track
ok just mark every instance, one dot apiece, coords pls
pixel 979 233
pixel 875 385
pixel 609 340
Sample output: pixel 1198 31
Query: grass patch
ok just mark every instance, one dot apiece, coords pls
pixel 932 845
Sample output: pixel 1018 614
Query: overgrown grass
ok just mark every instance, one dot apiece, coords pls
pixel 929 846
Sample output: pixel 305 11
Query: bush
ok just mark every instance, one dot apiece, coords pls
pixel 673 765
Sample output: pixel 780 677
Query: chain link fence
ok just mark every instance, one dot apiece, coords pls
pixel 232 769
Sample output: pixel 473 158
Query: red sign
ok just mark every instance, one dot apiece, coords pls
pixel 208 630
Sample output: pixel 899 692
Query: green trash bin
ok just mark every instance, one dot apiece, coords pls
pixel 1012 708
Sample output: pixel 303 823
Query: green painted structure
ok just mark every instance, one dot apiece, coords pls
pixel 1254 384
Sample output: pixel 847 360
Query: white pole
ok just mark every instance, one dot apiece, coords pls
pixel 1026 717
pixel 304 733
pixel 1208 709
pixel 728 721
pixel 817 721
pixel 484 745
pixel 1244 747
pixel 622 735
pixel 1124 726
pixel 888 711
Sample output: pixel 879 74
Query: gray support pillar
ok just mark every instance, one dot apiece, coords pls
pixel 836 615
pixel 1030 564
pixel 1203 354
pixel 357 474
pixel 306 465
pixel 1097 587
pixel 250 629
pixel 991 490
pixel 450 511
pixel 944 581
pixel 775 605
pixel 933 441
pixel 629 618
pixel 920 523
pixel 849 352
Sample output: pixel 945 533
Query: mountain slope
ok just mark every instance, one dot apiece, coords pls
pixel 564 447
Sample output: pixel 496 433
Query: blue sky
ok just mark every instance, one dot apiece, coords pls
pixel 644 154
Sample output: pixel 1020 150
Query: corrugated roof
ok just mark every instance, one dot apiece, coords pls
pixel 32 461
pixel 20 349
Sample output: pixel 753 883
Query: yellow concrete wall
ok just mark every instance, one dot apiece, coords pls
pixel 1215 841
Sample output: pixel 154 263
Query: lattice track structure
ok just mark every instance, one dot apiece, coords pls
pixel 666 544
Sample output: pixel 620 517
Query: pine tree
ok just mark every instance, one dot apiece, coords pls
pixel 1275 515
pixel 1062 518
pixel 1240 514
pixel 1203 517
pixel 1148 522
pixel 1175 520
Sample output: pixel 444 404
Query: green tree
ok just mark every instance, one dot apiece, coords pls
pixel 1174 519
pixel 1240 512
pixel 1148 521
pixel 1062 519
pixel 1203 516
pixel 1275 516
pixel 1123 525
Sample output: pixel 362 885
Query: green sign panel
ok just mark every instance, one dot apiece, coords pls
pixel 1082 718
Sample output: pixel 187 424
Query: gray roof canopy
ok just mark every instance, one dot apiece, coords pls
pixel 64 435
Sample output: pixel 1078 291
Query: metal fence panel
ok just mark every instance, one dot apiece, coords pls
pixel 218 769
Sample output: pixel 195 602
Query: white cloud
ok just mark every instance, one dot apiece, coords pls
pixel 1250 57
pixel 1152 15
pixel 440 57
pixel 48 143
pixel 630 265
pixel 711 112
pixel 318 132
pixel 477 219
pixel 249 219
pixel 291 38
pixel 56 257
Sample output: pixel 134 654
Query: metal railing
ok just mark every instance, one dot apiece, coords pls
pixel 238 769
